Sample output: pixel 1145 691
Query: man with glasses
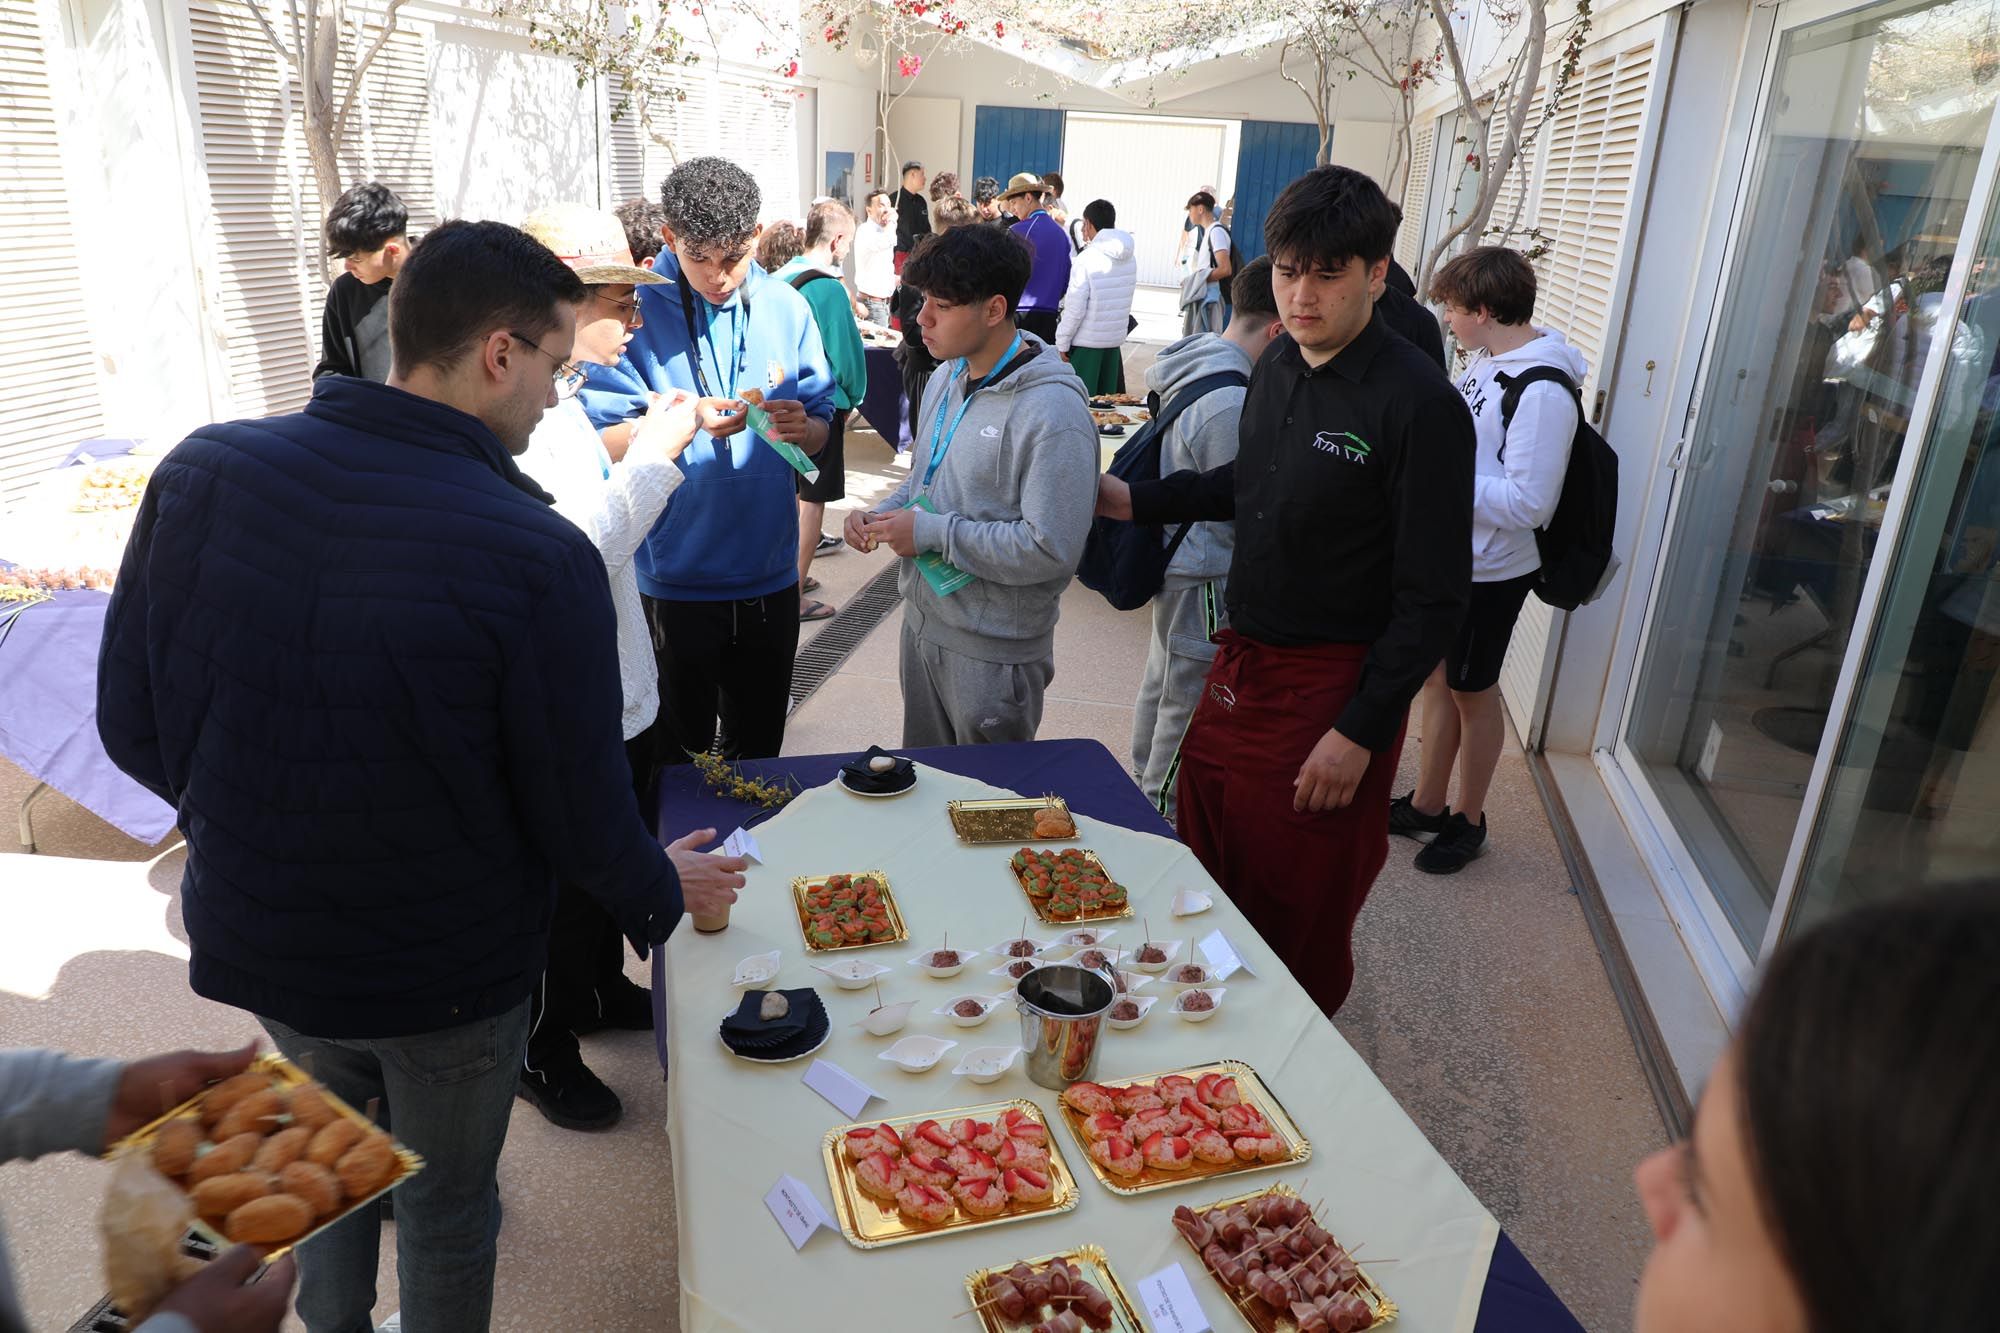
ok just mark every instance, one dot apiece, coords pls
pixel 719 571
pixel 374 673
pixel 615 502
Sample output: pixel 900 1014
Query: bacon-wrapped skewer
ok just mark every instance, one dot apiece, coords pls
pixel 1194 1227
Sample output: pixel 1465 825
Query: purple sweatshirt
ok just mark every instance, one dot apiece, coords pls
pixel 1050 277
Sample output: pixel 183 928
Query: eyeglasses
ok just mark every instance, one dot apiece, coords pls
pixel 568 376
pixel 627 310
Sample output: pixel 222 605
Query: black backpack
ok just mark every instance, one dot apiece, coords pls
pixel 1124 561
pixel 1577 560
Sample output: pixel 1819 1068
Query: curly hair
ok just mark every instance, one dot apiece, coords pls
pixel 710 201
pixel 968 264
pixel 953 211
pixel 642 219
pixel 985 189
pixel 364 219
pixel 944 185
pixel 781 243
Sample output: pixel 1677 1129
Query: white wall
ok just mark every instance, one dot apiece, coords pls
pixel 131 185
pixel 926 129
pixel 510 129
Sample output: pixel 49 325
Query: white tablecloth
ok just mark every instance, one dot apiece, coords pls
pixel 736 1126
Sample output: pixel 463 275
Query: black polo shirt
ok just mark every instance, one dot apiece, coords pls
pixel 1352 496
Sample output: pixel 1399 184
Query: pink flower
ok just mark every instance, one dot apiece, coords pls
pixel 791 70
pixel 909 66
pixel 999 28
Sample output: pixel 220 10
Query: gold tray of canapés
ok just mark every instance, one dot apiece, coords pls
pixel 1304 1280
pixel 854 911
pixel 1167 1129
pixel 1080 1279
pixel 1015 819
pixel 1069 886
pixel 945 1172
pixel 273 1140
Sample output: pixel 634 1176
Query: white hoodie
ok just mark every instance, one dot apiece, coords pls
pixel 1519 472
pixel 1102 282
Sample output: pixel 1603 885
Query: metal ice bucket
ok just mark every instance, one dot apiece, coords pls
pixel 1062 1019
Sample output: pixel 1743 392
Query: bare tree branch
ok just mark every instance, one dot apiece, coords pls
pixel 361 68
pixel 271 34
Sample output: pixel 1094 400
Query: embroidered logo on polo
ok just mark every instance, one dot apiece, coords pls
pixel 1343 444
pixel 1223 695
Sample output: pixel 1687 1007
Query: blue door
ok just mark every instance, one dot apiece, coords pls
pixel 1009 139
pixel 1272 155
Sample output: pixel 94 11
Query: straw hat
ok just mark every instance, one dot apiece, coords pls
pixel 1024 182
pixel 589 240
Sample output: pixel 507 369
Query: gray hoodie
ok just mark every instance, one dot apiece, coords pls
pixel 1203 437
pixel 1014 497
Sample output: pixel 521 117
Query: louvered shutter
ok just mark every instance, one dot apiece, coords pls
pixel 1514 208
pixel 639 160
pixel 1590 149
pixel 267 259
pixel 756 132
pixel 48 372
pixel 1416 195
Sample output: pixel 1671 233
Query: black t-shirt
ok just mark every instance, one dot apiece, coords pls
pixel 913 220
pixel 354 329
pixel 1352 497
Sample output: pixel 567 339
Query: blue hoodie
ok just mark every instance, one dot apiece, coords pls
pixel 732 531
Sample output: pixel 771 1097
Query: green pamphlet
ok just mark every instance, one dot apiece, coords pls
pixel 944 577
pixel 760 421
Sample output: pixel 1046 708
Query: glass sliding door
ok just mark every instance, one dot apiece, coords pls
pixel 1863 165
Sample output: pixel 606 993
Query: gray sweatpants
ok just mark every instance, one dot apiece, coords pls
pixel 1185 622
pixel 952 699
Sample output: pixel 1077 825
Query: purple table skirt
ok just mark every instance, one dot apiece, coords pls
pixel 883 407
pixel 48 714
pixel 1085 774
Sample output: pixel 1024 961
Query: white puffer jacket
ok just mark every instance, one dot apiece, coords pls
pixel 1102 282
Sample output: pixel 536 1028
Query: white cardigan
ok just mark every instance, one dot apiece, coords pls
pixel 616 505
pixel 1102 282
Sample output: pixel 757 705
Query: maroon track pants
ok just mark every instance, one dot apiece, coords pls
pixel 1300 878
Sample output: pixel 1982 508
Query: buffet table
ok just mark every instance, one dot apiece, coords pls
pixel 736 1126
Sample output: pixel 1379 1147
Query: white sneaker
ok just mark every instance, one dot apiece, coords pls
pixel 393 1324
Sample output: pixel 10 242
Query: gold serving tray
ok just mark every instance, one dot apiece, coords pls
pixel 1090 1260
pixel 1262 1317
pixel 804 883
pixel 288 1076
pixel 1250 1089
pixel 1008 820
pixel 869 1223
pixel 1041 905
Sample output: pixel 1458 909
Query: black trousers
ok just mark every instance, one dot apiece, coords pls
pixel 727 661
pixel 916 378
pixel 586 949
pixel 1041 323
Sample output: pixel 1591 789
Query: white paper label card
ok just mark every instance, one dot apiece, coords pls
pixel 797 1209
pixel 1223 960
pixel 743 843
pixel 848 1093
pixel 1170 1302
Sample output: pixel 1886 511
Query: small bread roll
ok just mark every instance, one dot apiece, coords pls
pixel 367 1166
pixel 311 1109
pixel 175 1145
pixel 332 1141
pixel 227 1156
pixel 219 1196
pixel 313 1183
pixel 271 1220
pixel 222 1098
pixel 259 1112
pixel 282 1149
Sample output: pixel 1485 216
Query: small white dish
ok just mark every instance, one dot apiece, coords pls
pixel 1089 937
pixel 886 1020
pixel 915 1054
pixel 1171 948
pixel 1199 1015
pixel 1192 902
pixel 851 973
pixel 987 1004
pixel 1133 981
pixel 757 969
pixel 1005 975
pixel 1172 976
pixel 923 960
pixel 987 1064
pixel 1000 950
pixel 1145 1003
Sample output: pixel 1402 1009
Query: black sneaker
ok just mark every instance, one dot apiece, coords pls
pixel 1406 819
pixel 568 1094
pixel 623 1003
pixel 828 544
pixel 1461 843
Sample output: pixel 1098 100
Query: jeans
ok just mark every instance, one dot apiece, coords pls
pixel 450 1093
pixel 878 309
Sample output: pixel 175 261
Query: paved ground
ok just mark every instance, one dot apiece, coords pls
pixel 1481 1003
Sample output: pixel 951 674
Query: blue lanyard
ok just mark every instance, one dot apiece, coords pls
pixel 938 431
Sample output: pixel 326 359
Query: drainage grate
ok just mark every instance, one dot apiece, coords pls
pixel 840 636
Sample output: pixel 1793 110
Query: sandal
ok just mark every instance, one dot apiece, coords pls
pixel 811 610
pixel 810 585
